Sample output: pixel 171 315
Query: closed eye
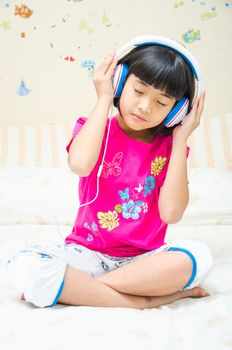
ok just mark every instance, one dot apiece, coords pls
pixel 138 92
pixel 162 104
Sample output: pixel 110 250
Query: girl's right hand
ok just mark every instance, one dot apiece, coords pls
pixel 103 78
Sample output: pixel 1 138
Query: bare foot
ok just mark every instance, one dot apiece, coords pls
pixel 22 297
pixel 196 292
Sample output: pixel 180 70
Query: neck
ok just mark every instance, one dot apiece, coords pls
pixel 145 136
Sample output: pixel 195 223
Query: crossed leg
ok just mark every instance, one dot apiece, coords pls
pixel 147 283
pixel 163 273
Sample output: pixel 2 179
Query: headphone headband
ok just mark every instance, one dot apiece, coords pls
pixel 166 42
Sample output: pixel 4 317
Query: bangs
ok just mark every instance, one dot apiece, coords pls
pixel 163 69
pixel 163 78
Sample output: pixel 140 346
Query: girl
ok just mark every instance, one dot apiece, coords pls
pixel 116 255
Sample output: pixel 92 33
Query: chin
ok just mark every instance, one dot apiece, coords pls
pixel 132 125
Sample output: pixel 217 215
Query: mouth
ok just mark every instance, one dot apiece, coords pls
pixel 139 117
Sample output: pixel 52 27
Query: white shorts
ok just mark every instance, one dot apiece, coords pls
pixel 38 271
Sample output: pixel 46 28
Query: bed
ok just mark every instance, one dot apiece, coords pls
pixel 38 203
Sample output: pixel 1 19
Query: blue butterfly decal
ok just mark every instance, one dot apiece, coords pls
pixel 124 195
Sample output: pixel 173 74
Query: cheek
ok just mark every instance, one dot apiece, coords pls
pixel 125 101
pixel 159 116
pixel 165 111
pixel 122 106
pixel 156 121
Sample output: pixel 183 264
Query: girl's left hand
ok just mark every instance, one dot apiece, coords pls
pixel 183 131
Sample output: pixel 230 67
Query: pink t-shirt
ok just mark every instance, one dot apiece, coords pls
pixel 124 219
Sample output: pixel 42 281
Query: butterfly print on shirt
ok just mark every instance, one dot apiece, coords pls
pixel 124 195
pixel 112 168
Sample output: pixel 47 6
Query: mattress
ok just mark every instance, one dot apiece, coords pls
pixel 38 205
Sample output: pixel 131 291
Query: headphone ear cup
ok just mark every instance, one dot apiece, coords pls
pixel 119 79
pixel 178 113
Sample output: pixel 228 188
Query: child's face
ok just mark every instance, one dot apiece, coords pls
pixel 142 106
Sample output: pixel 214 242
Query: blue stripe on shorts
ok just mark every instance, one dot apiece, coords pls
pixel 194 271
pixel 58 295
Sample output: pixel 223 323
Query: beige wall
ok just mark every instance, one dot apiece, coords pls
pixel 62 89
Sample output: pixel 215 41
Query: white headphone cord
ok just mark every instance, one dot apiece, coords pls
pixel 98 174
pixel 103 158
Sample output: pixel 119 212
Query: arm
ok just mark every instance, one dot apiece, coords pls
pixel 174 194
pixel 85 148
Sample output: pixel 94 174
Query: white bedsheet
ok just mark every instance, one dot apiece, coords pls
pixel 27 212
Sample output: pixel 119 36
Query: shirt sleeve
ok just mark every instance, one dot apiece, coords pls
pixel 79 123
pixel 165 159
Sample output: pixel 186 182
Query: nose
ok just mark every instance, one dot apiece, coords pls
pixel 144 106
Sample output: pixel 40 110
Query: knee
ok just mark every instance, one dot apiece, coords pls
pixel 202 261
pixel 201 257
pixel 36 279
pixel 198 251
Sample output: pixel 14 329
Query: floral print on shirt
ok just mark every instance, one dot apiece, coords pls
pixel 157 165
pixel 132 209
pixel 149 185
pixel 132 204
pixel 108 220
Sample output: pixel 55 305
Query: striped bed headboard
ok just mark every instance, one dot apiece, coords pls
pixel 35 145
pixel 211 143
pixel 44 144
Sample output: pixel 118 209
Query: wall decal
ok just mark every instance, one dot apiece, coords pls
pixel 5 25
pixel 69 58
pixel 191 36
pixel 178 4
pixel 105 20
pixel 23 90
pixel 208 15
pixel 90 65
pixel 83 24
pixel 23 11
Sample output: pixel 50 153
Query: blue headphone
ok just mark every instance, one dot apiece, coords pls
pixel 179 111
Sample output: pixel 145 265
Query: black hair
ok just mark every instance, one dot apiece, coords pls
pixel 164 69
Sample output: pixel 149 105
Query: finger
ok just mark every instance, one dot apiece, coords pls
pixel 112 67
pixel 202 101
pixel 107 61
pixel 196 104
pixel 111 53
pixel 194 107
pixel 200 106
